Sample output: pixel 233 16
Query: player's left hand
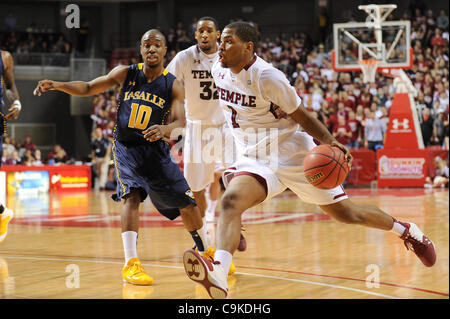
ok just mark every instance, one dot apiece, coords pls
pixel 13 113
pixel 346 151
pixel 154 133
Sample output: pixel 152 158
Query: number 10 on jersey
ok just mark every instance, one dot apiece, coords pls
pixel 139 121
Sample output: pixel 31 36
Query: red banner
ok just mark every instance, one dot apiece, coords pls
pixel 363 167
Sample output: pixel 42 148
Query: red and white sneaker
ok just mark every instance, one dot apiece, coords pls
pixel 416 241
pixel 210 274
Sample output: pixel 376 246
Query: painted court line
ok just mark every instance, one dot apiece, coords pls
pixel 242 273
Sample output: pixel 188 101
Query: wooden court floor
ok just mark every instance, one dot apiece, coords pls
pixel 68 245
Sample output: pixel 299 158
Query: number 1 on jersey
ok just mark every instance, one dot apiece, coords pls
pixel 139 121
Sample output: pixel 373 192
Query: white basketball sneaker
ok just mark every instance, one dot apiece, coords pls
pixel 210 274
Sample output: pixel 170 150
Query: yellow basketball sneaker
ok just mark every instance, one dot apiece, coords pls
pixel 5 218
pixel 209 253
pixel 134 273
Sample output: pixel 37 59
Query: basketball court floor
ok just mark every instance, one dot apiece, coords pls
pixel 68 245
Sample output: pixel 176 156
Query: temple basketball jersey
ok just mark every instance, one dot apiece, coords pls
pixel 249 100
pixel 142 104
pixel 192 67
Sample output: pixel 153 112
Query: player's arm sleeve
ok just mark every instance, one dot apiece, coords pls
pixel 176 66
pixel 276 88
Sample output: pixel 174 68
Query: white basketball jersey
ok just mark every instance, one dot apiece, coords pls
pixel 249 101
pixel 192 67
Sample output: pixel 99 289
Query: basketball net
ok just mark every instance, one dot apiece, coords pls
pixel 369 69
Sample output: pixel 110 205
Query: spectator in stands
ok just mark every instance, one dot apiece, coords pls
pixel 183 41
pixel 28 158
pixel 57 155
pixel 374 130
pixel 37 158
pixel 426 126
pixel 8 146
pixel 355 128
pixel 101 156
pixel 28 144
pixel 342 132
pixel 437 39
pixel 438 130
pixel 442 20
pixel 441 178
pixel 14 159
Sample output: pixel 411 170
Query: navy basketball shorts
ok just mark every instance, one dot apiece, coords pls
pixel 149 169
pixel 2 134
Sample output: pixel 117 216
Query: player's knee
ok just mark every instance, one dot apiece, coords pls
pixel 230 201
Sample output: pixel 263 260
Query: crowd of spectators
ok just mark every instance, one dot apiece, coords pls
pixel 26 153
pixel 355 112
pixel 33 40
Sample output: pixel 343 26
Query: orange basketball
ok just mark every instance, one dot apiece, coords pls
pixel 325 166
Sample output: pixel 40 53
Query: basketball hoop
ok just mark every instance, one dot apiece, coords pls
pixel 369 69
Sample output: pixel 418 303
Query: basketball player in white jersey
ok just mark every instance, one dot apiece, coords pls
pixel 192 67
pixel 249 88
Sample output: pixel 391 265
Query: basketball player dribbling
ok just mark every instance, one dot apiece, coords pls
pixel 8 84
pixel 249 88
pixel 141 157
pixel 192 67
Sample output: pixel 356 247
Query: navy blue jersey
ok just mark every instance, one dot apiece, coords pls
pixel 142 104
pixel 2 117
pixel 2 70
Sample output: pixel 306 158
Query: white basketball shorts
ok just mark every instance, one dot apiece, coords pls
pixel 207 148
pixel 287 172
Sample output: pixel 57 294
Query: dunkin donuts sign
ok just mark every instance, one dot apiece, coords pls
pixel 401 167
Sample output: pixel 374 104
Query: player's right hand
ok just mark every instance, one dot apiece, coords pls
pixel 43 86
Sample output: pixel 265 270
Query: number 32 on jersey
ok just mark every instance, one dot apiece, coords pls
pixel 139 116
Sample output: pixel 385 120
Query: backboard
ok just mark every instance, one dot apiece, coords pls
pixel 389 42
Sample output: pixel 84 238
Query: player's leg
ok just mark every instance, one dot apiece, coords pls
pixel 193 223
pixel 5 214
pixel 243 192
pixel 131 187
pixel 132 272
pixel 346 211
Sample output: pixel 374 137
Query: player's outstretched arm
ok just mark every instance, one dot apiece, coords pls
pixel 316 129
pixel 156 132
pixel 11 90
pixel 81 88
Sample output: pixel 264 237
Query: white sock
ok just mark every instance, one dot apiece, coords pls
pixel 129 239
pixel 211 211
pixel 398 228
pixel 205 234
pixel 224 257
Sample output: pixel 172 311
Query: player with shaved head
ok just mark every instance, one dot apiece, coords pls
pixel 141 156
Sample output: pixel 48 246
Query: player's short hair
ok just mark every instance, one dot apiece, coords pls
pixel 157 32
pixel 207 18
pixel 245 32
